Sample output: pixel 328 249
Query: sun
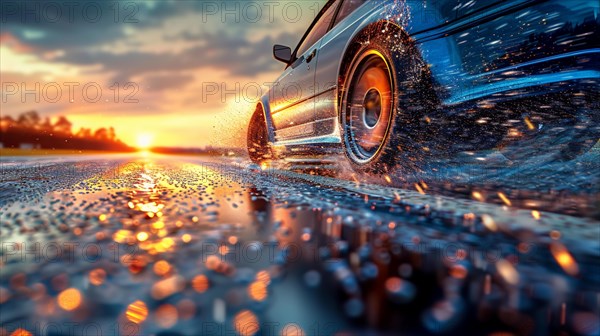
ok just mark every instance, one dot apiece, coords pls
pixel 144 141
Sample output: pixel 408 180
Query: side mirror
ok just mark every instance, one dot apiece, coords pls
pixel 282 53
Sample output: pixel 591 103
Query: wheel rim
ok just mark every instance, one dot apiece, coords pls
pixel 368 109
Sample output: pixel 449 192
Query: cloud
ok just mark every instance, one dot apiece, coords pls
pixel 235 54
pixel 107 33
pixel 50 25
pixel 155 83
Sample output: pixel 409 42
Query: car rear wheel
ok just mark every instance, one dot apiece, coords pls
pixel 376 116
pixel 259 148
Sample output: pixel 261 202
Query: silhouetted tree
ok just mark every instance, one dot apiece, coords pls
pixel 84 133
pixel 46 125
pixel 29 119
pixel 111 134
pixel 101 133
pixel 63 125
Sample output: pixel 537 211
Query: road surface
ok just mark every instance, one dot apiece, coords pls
pixel 169 245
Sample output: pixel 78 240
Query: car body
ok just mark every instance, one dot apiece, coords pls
pixel 477 54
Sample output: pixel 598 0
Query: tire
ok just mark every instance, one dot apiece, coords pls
pixel 567 130
pixel 381 104
pixel 259 147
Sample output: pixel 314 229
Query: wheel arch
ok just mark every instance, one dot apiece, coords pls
pixel 362 35
pixel 420 94
pixel 263 105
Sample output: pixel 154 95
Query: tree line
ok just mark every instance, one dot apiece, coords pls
pixel 30 130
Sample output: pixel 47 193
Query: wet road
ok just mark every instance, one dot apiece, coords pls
pixel 158 245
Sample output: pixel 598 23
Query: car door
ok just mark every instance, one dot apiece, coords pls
pixel 331 52
pixel 292 98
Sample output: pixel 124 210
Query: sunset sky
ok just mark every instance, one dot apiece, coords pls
pixel 177 56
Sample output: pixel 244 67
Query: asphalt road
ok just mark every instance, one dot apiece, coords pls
pixel 167 245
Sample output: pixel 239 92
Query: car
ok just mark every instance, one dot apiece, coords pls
pixel 391 81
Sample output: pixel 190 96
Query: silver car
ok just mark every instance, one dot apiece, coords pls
pixel 390 81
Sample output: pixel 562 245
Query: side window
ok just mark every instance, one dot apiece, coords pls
pixel 319 29
pixel 347 8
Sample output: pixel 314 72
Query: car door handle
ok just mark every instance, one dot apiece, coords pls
pixel 312 55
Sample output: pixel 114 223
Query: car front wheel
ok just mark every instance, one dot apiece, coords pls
pixel 379 106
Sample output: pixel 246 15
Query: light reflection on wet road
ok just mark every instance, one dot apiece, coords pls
pixel 176 245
